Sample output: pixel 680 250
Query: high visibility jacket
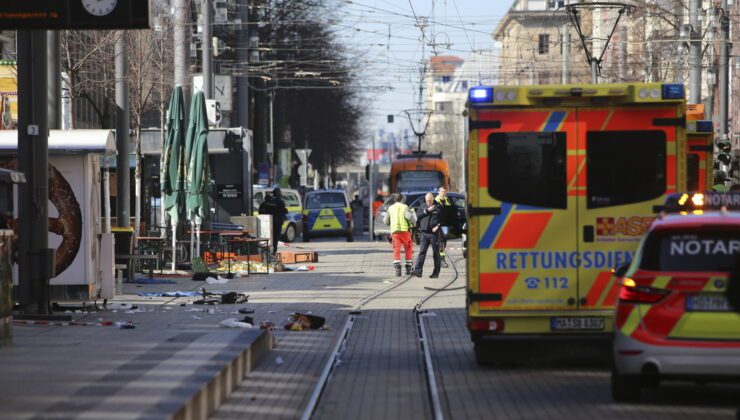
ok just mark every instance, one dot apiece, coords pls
pixel 397 215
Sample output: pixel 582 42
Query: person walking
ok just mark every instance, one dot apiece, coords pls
pixel 400 218
pixel 275 206
pixel 448 217
pixel 429 233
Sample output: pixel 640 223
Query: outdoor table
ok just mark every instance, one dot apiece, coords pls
pixel 153 245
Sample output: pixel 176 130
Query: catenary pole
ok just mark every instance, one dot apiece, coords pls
pixel 565 40
pixel 122 134
pixel 694 53
pixel 724 71
pixel 181 38
pixel 242 91
pixel 35 259
pixel 207 49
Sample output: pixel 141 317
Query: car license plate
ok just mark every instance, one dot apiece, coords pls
pixel 577 323
pixel 707 303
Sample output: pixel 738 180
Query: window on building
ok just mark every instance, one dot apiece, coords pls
pixel 544 45
pixel 443 106
pixel 608 183
pixel 445 79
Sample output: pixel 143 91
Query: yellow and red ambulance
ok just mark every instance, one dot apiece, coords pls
pixel 562 182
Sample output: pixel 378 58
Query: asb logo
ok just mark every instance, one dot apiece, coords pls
pixel 625 226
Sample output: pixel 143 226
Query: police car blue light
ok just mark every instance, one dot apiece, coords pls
pixel 480 94
pixel 673 91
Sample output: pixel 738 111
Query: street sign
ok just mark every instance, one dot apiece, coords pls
pixel 229 190
pixel 263 173
pixel 74 14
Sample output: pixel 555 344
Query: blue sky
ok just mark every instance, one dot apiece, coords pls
pixel 384 42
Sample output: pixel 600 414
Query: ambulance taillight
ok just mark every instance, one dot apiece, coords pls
pixel 486 325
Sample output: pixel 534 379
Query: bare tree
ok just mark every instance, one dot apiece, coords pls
pixel 87 61
pixel 143 88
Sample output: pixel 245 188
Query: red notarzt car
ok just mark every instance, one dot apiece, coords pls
pixel 673 320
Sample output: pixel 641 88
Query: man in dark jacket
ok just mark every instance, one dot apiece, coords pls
pixel 275 206
pixel 429 226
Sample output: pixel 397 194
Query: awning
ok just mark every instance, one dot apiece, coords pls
pixel 66 141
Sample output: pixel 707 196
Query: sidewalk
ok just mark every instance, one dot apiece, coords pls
pixel 176 362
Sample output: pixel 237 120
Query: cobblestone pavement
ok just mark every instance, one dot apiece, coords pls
pixel 470 391
pixel 380 374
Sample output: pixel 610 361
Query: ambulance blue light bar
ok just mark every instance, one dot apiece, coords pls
pixel 673 91
pixel 479 94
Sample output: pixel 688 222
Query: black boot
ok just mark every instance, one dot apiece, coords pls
pixel 408 269
pixel 397 266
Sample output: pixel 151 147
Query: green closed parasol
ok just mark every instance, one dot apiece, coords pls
pixel 198 178
pixel 172 164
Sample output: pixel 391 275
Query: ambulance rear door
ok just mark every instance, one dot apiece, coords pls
pixel 627 162
pixel 521 213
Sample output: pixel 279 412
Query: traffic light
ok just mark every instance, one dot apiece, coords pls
pixel 724 148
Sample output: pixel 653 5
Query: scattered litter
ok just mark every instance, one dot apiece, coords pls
pixel 279 361
pixel 271 312
pixel 217 280
pixel 246 311
pixel 302 322
pixel 195 317
pixel 168 308
pixel 147 280
pixel 125 325
pixel 387 281
pixel 233 323
pixel 248 320
pixel 170 294
pixel 201 276
pixel 64 323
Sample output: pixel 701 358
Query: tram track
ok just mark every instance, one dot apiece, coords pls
pixel 422 336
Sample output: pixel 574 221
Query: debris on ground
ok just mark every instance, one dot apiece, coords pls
pixel 233 323
pixel 302 322
pixel 125 325
pixel 246 311
pixel 217 280
pixel 202 276
pixel 147 280
pixel 213 298
pixel 279 361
